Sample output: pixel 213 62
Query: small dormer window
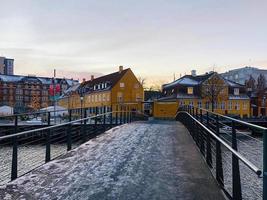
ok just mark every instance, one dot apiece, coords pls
pixel 190 90
pixel 236 91
pixel 172 91
pixel 94 87
pixel 122 85
pixel 103 85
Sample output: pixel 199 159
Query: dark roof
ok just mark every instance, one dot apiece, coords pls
pixel 189 80
pixel 112 78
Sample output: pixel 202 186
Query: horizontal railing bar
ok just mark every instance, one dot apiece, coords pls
pixel 237 154
pixel 232 119
pixel 62 124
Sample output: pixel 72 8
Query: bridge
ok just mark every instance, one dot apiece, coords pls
pixel 125 156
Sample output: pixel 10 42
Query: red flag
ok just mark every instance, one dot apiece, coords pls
pixel 57 88
pixel 51 90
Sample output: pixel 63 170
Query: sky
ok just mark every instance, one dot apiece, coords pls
pixel 156 38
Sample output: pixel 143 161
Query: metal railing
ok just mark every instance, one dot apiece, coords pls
pixel 23 151
pixel 224 142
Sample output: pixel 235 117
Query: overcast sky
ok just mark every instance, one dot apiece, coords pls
pixel 156 38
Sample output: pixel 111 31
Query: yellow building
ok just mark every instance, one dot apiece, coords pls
pixel 116 91
pixel 209 91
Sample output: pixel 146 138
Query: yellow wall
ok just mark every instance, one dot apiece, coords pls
pixel 132 93
pixel 165 109
pixel 168 109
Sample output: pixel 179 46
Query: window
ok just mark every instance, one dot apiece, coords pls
pixel 237 106
pixel 207 105
pixel 230 105
pixel 119 96
pixel 223 105
pixel 236 91
pixel 172 91
pixel 236 76
pixel 199 104
pixel 107 97
pixel 190 90
pixel 136 85
pixel 245 106
pixel 122 85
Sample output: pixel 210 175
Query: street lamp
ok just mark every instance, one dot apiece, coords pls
pixel 81 98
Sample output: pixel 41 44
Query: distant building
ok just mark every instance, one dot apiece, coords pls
pixel 6 66
pixel 26 93
pixel 193 90
pixel 241 75
pixel 118 90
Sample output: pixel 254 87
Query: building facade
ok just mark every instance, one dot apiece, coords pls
pixel 209 91
pixel 6 66
pixel 26 93
pixel 242 75
pixel 114 91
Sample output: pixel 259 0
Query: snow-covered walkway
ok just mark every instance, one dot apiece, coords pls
pixel 142 160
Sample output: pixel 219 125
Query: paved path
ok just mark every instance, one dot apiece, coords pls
pixel 150 160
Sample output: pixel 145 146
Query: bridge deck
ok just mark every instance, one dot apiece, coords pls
pixel 151 160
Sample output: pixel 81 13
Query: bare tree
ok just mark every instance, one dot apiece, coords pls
pixel 250 84
pixel 261 82
pixel 142 81
pixel 213 88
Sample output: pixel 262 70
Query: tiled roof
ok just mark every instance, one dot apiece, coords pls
pixel 112 79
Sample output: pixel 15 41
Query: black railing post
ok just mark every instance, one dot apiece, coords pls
pixel 265 165
pixel 121 115
pixel 48 143
pixel 84 125
pixel 124 114
pixel 70 113
pixel 14 167
pixel 219 168
pixel 116 114
pixel 111 117
pixel 104 118
pixel 208 150
pixel 69 133
pixel 237 193
pixel 201 116
pixel 96 113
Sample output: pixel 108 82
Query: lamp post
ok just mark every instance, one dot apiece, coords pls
pixel 81 98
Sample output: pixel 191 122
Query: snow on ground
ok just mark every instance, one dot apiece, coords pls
pixel 134 161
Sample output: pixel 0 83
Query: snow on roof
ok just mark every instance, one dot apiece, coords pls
pixel 238 97
pixel 183 81
pixel 7 78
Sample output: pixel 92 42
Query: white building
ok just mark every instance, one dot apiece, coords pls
pixel 240 75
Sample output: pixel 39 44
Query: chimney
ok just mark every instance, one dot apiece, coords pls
pixel 120 69
pixel 193 72
pixel 84 80
pixel 92 77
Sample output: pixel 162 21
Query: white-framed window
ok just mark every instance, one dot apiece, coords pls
pixel 122 85
pixel 245 106
pixel 223 105
pixel 236 91
pixel 190 90
pixel 230 105
pixel 237 106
